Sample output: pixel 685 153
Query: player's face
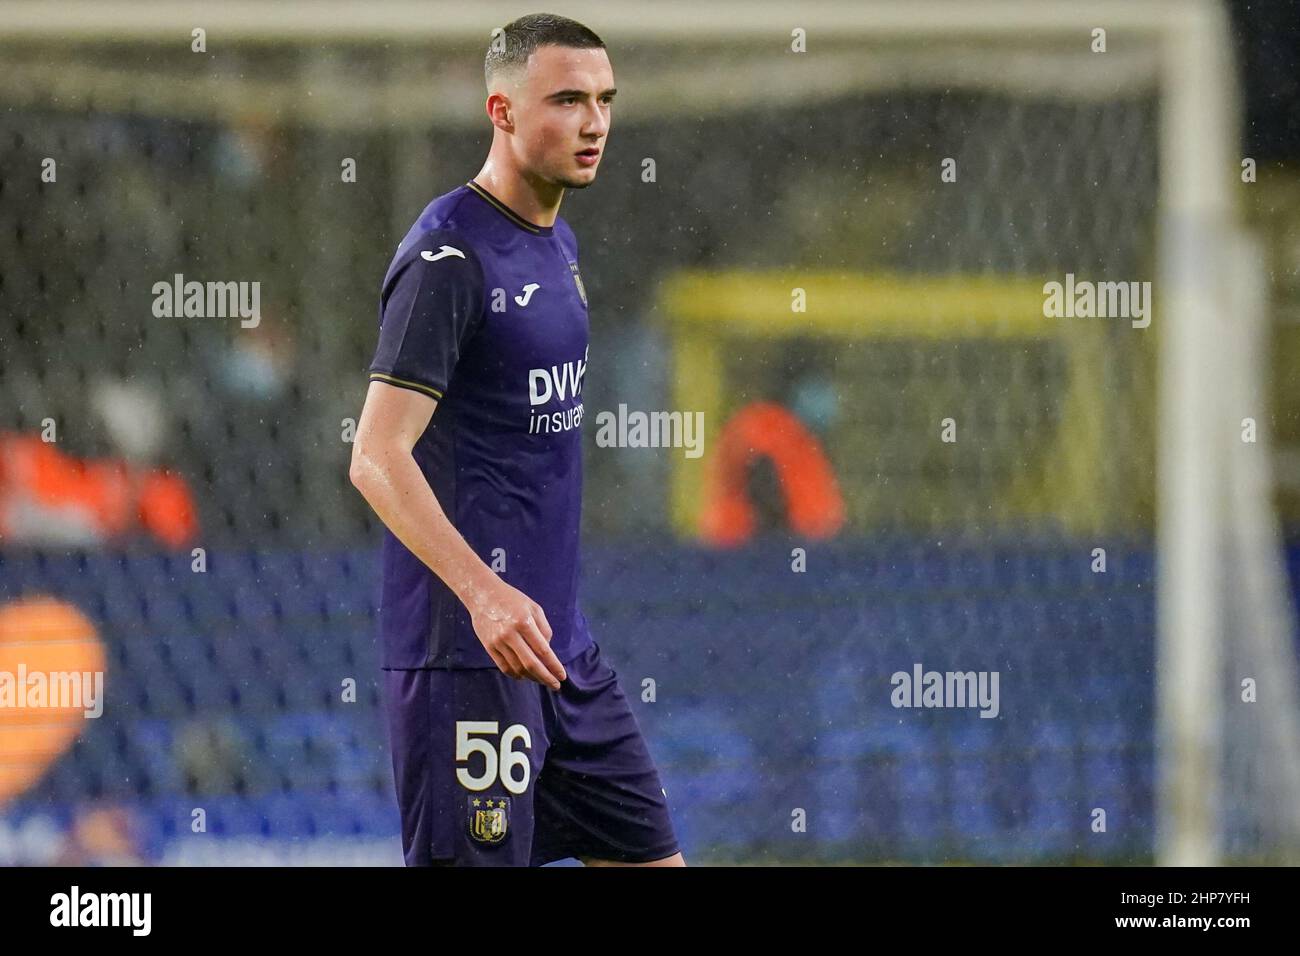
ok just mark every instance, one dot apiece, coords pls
pixel 563 114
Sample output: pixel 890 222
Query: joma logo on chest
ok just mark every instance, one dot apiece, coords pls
pixel 499 296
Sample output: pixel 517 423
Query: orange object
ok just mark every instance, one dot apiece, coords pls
pixel 104 498
pixel 166 508
pixel 42 636
pixel 814 506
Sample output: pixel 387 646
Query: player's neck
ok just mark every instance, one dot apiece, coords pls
pixel 537 202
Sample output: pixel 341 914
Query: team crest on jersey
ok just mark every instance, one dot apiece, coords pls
pixel 489 819
pixel 577 280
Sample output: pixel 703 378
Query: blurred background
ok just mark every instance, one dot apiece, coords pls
pixel 829 234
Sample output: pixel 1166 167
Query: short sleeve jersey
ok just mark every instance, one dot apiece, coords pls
pixel 486 313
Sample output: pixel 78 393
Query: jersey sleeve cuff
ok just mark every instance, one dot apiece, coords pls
pixel 420 387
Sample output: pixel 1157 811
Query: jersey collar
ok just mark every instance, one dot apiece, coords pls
pixel 509 213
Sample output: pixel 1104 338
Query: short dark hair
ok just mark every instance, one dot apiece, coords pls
pixel 509 51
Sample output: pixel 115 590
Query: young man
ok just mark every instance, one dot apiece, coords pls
pixel 513 743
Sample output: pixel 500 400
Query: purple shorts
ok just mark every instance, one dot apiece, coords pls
pixel 494 771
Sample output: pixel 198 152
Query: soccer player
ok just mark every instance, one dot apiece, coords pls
pixel 513 743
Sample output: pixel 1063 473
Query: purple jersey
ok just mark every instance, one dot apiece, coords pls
pixel 485 312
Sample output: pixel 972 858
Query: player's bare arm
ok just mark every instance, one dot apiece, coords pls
pixel 511 626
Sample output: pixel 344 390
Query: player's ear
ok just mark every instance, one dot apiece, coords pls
pixel 499 112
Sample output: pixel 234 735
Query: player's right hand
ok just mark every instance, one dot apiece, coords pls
pixel 512 627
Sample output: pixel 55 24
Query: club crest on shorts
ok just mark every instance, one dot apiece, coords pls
pixel 489 819
pixel 577 280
